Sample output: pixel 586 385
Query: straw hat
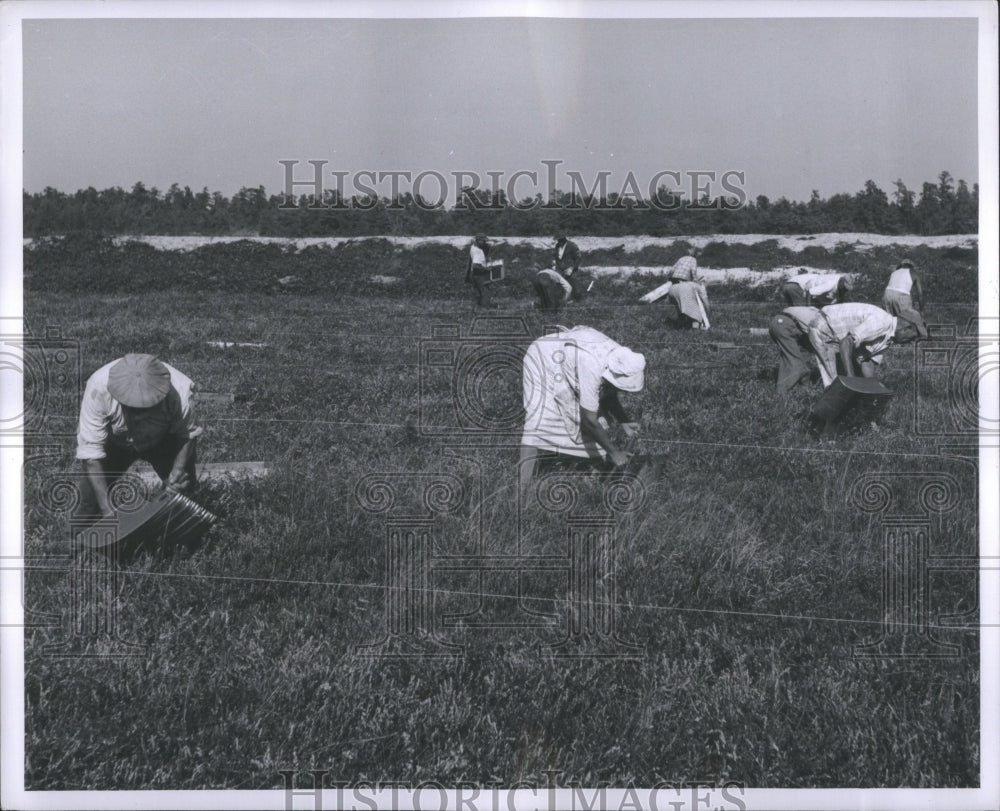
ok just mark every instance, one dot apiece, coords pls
pixel 138 381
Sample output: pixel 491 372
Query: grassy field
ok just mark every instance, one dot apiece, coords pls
pixel 745 579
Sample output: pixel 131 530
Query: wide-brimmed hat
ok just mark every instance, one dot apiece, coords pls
pixel 138 381
pixel 559 237
pixel 916 319
pixel 625 369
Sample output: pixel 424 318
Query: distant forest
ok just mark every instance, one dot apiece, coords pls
pixel 945 207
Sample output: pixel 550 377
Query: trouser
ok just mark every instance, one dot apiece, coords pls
pixel 481 283
pixel 894 302
pixel 691 299
pixel 793 348
pixel 579 285
pixel 551 294
pixel 118 460
pixel 794 295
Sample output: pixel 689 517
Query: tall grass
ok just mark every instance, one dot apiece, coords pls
pixel 745 581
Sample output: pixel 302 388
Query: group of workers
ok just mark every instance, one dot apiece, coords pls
pixel 855 333
pixel 562 282
pixel 572 378
pixel 139 407
pixel 554 286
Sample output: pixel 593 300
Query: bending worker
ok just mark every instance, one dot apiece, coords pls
pixel 823 288
pixel 904 291
pixel 859 334
pixel 571 383
pixel 691 300
pixel 552 288
pixel 135 408
pixel 790 331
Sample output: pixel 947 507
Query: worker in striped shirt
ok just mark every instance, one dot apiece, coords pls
pixel 821 288
pixel 686 268
pixel 859 334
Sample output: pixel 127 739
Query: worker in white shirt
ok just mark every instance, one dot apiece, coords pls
pixel 859 334
pixel 904 290
pixel 807 289
pixel 136 407
pixel 571 382
pixel 476 273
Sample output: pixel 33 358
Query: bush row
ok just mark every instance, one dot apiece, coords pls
pixel 89 263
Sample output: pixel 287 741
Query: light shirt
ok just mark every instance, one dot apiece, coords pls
pixel 817 284
pixel 901 281
pixel 803 316
pixel 865 323
pixel 558 277
pixel 562 374
pixel 103 419
pixel 684 268
pixel 561 250
pixel 478 255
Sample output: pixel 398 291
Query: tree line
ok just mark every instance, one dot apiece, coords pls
pixel 945 207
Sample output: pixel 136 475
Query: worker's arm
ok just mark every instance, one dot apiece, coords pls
pixel 95 475
pixel 178 479
pixel 592 426
pixel 526 470
pixel 847 354
pixel 611 406
pixel 917 293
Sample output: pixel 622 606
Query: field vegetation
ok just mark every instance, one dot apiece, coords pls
pixel 746 578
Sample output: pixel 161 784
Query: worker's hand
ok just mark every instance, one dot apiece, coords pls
pixel 178 481
pixel 630 428
pixel 619 458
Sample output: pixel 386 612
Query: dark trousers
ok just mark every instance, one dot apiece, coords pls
pixel 794 295
pixel 794 348
pixel 481 283
pixel 118 460
pixel 551 294
pixel 579 285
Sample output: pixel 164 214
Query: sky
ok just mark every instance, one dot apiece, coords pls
pixel 795 105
